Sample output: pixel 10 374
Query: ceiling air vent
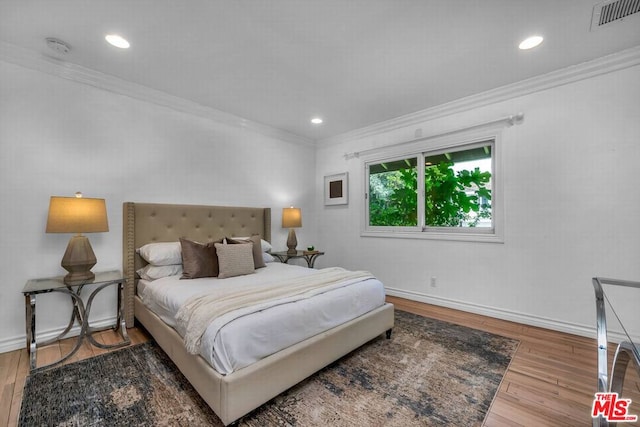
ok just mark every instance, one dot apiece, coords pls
pixel 613 11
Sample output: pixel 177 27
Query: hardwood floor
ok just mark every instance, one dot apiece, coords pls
pixel 552 378
pixel 550 382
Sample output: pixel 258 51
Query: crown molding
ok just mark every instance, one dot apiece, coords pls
pixel 77 73
pixel 606 64
pixel 36 61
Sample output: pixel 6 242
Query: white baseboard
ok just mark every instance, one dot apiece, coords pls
pixel 20 342
pixel 588 331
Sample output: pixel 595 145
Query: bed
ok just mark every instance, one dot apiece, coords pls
pixel 238 392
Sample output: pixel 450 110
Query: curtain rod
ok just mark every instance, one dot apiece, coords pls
pixel 513 119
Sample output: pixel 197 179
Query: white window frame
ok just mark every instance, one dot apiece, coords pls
pixel 428 146
pixel 394 229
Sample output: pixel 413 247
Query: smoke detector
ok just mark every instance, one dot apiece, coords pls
pixel 57 45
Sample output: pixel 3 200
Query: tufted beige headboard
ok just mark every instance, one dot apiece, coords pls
pixel 150 222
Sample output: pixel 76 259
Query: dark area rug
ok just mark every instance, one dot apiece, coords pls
pixel 430 373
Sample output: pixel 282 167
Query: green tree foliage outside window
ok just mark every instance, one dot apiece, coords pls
pixel 454 196
pixel 456 199
pixel 393 199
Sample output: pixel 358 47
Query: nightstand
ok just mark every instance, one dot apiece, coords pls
pixel 79 312
pixel 309 256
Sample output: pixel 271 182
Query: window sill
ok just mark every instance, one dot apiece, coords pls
pixel 430 235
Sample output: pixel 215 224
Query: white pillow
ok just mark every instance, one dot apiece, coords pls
pixel 264 245
pixel 162 253
pixel 267 257
pixel 153 272
pixel 234 260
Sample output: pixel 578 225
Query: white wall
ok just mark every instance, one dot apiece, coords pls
pixel 572 210
pixel 571 195
pixel 58 137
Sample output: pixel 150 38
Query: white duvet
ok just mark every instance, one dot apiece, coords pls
pixel 242 337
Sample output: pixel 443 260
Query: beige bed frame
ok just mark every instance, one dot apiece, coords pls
pixel 234 395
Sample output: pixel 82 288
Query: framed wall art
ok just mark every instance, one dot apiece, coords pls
pixel 336 189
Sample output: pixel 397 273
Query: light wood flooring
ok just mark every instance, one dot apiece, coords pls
pixel 550 382
pixel 552 377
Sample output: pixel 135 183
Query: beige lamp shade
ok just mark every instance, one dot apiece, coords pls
pixel 77 215
pixel 291 218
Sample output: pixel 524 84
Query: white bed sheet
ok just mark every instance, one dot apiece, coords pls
pixel 253 336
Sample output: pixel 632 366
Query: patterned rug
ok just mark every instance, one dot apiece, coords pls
pixel 430 373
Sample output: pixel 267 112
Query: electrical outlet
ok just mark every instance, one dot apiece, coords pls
pixel 433 281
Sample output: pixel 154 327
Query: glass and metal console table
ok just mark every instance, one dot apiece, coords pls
pixel 309 256
pixel 79 313
pixel 627 350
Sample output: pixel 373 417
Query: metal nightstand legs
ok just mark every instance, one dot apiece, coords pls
pixel 79 313
pixel 119 321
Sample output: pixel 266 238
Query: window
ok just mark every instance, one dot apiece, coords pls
pixel 393 197
pixel 457 188
pixel 445 192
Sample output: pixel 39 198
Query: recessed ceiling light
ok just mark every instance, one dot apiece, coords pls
pixel 117 41
pixel 316 120
pixel 530 42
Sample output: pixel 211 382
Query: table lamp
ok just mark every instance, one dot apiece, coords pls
pixel 77 215
pixel 291 218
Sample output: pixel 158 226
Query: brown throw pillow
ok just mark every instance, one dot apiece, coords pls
pixel 258 260
pixel 199 260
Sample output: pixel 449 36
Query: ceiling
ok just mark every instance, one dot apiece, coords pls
pixel 352 62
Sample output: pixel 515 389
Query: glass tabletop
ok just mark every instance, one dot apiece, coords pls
pixel 47 284
pixel 298 253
